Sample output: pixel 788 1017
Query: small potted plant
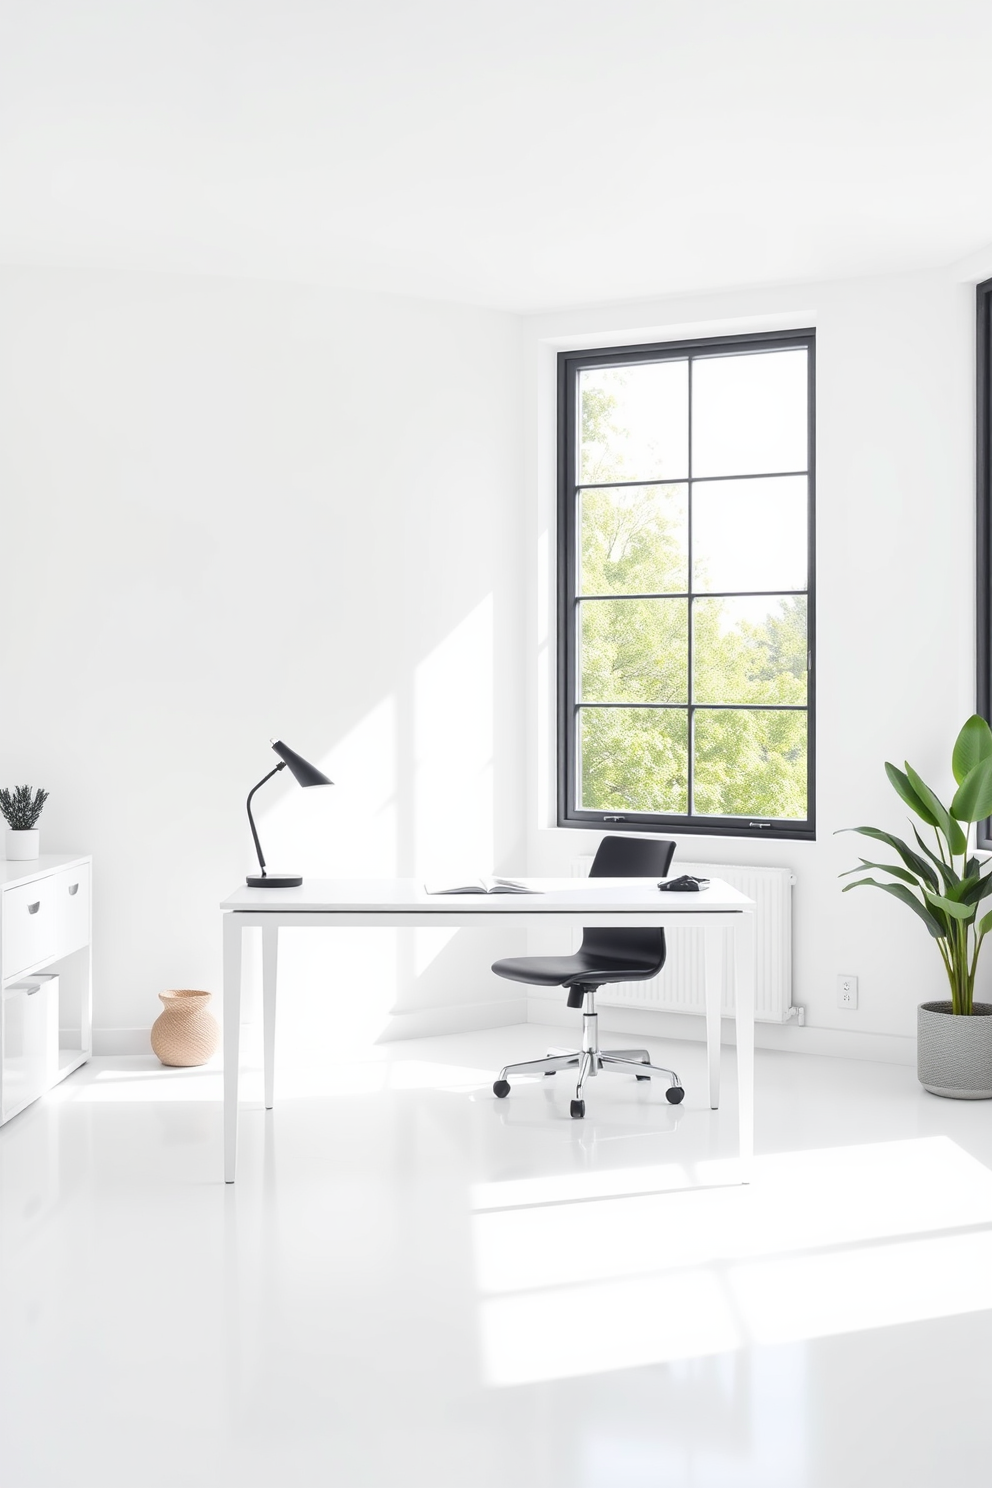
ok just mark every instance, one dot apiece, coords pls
pixel 21 811
pixel 946 890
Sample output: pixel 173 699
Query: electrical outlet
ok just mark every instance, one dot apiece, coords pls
pixel 847 992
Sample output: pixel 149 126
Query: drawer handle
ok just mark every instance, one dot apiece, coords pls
pixel 33 990
pixel 73 888
pixel 34 908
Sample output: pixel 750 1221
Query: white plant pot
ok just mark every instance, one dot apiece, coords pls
pixel 23 845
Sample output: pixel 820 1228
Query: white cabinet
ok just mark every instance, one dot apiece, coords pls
pixel 71 904
pixel 45 976
pixel 28 926
pixel 30 1039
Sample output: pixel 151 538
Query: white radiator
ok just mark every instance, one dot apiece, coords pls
pixel 680 989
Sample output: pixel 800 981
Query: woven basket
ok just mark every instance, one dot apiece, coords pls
pixel 954 1052
pixel 185 1032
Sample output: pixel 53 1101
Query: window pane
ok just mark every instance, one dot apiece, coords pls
pixel 634 423
pixel 634 759
pixel 749 413
pixel 750 764
pixel 634 650
pixel 634 540
pixel 750 534
pixel 749 650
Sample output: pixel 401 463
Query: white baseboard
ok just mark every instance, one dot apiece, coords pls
pixel 456 1017
pixel 466 1017
pixel 838 1043
pixel 122 1040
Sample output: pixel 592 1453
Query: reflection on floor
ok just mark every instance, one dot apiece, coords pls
pixel 415 1284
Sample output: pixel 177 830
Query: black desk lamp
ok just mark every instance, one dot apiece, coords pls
pixel 305 774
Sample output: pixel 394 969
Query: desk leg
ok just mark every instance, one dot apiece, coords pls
pixel 232 1040
pixel 713 950
pixel 270 961
pixel 744 1018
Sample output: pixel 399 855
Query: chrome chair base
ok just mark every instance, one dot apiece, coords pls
pixel 591 1060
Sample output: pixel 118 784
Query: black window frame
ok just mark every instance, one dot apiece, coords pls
pixel 983 470
pixel 570 364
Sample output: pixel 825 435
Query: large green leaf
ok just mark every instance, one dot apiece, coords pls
pixel 901 783
pixel 956 911
pixel 973 744
pixel 979 889
pixel 985 924
pixel 947 872
pixel 901 873
pixel 913 861
pixel 936 929
pixel 956 839
pixel 961 891
pixel 973 797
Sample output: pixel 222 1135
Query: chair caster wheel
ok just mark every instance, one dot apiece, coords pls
pixel 674 1094
pixel 578 1110
pixel 501 1089
pixel 642 1077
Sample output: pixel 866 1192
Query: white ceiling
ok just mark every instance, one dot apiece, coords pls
pixel 523 154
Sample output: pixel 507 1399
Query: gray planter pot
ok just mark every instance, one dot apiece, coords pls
pixel 954 1054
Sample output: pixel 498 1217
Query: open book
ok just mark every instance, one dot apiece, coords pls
pixel 486 886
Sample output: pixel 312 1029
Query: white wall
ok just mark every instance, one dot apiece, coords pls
pixel 895 586
pixel 232 511
pixel 235 510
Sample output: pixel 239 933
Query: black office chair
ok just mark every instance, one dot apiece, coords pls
pixel 604 956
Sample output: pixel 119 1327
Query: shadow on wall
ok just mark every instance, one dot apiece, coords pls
pixel 266 510
pixel 413 797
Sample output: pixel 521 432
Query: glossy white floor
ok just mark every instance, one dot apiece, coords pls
pixel 414 1285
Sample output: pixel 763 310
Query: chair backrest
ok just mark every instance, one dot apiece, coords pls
pixel 630 857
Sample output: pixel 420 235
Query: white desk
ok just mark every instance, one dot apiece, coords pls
pixel 568 902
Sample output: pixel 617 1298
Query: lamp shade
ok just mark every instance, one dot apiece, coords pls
pixel 304 773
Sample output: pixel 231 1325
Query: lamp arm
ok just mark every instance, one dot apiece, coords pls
pixel 251 822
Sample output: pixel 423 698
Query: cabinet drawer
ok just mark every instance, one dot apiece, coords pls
pixel 71 888
pixel 28 925
pixel 30 1042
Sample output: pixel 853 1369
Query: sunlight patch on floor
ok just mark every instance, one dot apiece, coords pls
pixel 817 1245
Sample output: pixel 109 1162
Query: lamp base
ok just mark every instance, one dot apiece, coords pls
pixel 274 881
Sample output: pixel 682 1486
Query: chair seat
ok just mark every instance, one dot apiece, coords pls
pixel 565 971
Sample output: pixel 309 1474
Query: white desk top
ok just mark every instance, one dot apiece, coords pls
pixel 392 895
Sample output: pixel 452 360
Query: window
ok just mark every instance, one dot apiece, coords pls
pixel 984 469
pixel 684 590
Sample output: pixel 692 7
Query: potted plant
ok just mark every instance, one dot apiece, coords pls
pixel 21 812
pixel 946 889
